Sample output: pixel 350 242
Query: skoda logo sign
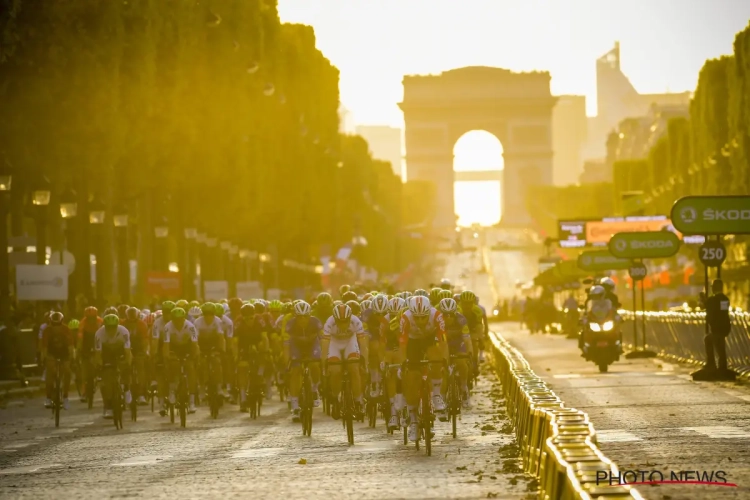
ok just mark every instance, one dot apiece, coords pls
pixel 621 245
pixel 688 215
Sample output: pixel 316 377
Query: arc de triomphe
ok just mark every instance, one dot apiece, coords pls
pixel 514 107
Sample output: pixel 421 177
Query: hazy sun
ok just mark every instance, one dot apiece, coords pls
pixel 477 202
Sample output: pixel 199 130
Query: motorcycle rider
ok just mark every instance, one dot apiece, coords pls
pixel 596 303
pixel 609 292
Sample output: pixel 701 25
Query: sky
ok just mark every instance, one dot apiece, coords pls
pixel 374 43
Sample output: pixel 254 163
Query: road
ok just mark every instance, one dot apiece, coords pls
pixel 649 414
pixel 235 457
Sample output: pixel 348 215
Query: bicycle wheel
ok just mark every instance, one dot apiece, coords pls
pixel 90 391
pixel 454 402
pixel 117 407
pixel 349 415
pixel 428 436
pixel 57 404
pixel 183 402
pixel 171 413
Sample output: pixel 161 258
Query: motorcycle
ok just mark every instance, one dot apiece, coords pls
pixel 602 339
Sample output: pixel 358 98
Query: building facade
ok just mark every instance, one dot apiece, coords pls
pixel 569 133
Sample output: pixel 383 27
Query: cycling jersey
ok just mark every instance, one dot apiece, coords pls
pixel 371 322
pixel 434 328
pixel 86 332
pixel 457 328
pixel 57 340
pixel 332 330
pixel 322 313
pixel 249 333
pixel 180 340
pixel 209 333
pixel 228 326
pixel 112 344
pixel 281 325
pixel 304 342
pixel 138 336
pixel 390 330
pixel 474 318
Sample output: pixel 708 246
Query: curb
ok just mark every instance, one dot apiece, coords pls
pixel 558 444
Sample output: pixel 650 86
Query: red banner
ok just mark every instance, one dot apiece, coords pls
pixel 163 284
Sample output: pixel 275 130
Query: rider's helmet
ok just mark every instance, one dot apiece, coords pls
pixel 406 295
pixel 219 309
pixel 355 307
pixel 208 309
pixel 111 320
pixel 421 292
pixel 596 292
pixel 182 304
pixel 260 307
pixel 342 312
pixel 445 284
pixel 275 306
pixel 337 303
pixel 467 296
pixel 608 284
pixel 132 314
pixel 447 306
pixel 343 289
pixel 90 312
pixel 302 308
pixel 122 309
pixel 324 299
pixel 195 303
pixel 349 296
pixel 247 310
pixel 56 318
pixel 194 311
pixel 367 296
pixel 366 304
pixel 380 304
pixel 435 295
pixel 178 313
pixel 446 294
pixel 74 324
pixel 235 303
pixel 396 305
pixel 111 310
pixel 167 306
pixel 420 306
pixel 457 297
pixel 288 308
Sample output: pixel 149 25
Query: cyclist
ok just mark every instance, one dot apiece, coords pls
pixel 112 347
pixel 459 342
pixel 323 307
pixel 180 342
pixel 235 304
pixel 470 310
pixel 212 343
pixel 436 295
pixel 252 342
pixel 160 376
pixel 229 356
pixel 139 346
pixel 340 335
pixel 390 333
pixel 372 319
pixel 57 353
pixel 302 341
pixel 445 284
pixel 87 329
pixel 422 337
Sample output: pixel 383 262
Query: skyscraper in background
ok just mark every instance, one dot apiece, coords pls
pixel 385 144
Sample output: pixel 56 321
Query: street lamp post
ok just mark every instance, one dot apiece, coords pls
pixel 201 253
pixel 68 210
pixel 40 197
pixel 96 221
pixel 161 232
pixel 191 235
pixel 5 180
pixel 234 250
pixel 120 219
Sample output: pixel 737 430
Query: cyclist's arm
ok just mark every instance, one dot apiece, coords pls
pixel 442 336
pixel 404 338
pixel 128 352
pixel 466 335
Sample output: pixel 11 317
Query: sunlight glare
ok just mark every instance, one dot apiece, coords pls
pixel 477 202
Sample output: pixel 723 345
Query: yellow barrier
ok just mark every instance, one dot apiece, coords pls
pixel 558 444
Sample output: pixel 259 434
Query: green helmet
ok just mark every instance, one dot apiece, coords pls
pixel 208 309
pixel 275 305
pixel 167 306
pixel 194 303
pixel 435 294
pixel 74 324
pixel 178 313
pixel 182 304
pixel 467 296
pixel 219 308
pixel 446 294
pixel 324 299
pixel 111 320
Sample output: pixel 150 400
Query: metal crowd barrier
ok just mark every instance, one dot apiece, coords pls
pixel 678 336
pixel 558 444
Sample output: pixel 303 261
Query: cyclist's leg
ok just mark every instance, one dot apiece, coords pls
pixel 108 376
pixel 334 371
pixel 65 367
pixel 142 371
pixel 294 375
pixel 125 371
pixel 86 372
pixel 363 345
pixel 172 376
pixel 374 361
pixel 243 376
pixel 228 366
pixel 51 366
pixel 315 367
pixel 217 369
pixel 351 352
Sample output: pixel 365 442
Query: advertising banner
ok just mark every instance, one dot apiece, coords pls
pixel 649 245
pixel 247 290
pixel 598 233
pixel 601 260
pixel 215 290
pixel 163 284
pixel 712 215
pixel 35 282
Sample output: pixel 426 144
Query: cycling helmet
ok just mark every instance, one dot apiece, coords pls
pixel 373 293
pixel 182 303
pixel 260 307
pixel 225 307
pixel 235 303
pixel 342 312
pixel 288 308
pixel 195 303
pixel 608 283
pixel 343 289
pixel 91 312
pixel 122 309
pixel 366 304
pixel 146 311
pixel 56 318
pixel 74 324
pixel 447 306
pixel 302 308
pixel 132 314
pixel 420 306
pixel 435 295
pixel 446 294
pixel 467 296
pixel 380 304
pixel 110 310
pixel 597 292
pixel 421 292
pixel 178 313
pixel 111 320
pixel 275 306
pixel 396 305
pixel 208 309
pixel 355 307
pixel 445 284
pixel 349 296
pixel 407 295
pixel 324 299
pixel 337 302
pixel 247 310
pixel 194 311
pixel 167 306
pixel 219 309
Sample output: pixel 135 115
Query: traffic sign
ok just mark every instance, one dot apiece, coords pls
pixel 645 245
pixel 637 271
pixel 601 260
pixel 712 253
pixel 712 215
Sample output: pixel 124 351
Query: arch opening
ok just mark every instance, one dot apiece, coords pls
pixel 477 195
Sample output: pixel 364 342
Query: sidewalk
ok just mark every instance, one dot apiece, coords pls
pixel 15 389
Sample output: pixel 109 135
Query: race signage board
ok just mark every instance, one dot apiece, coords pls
pixel 601 260
pixel 644 245
pixel 712 215
pixel 249 290
pixel 637 271
pixel 35 282
pixel 712 253
pixel 215 290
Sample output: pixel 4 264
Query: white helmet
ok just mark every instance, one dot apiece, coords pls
pixel 597 292
pixel 420 306
pixel 302 308
pixel 380 304
pixel 366 304
pixel 226 308
pixel 194 311
pixel 342 312
pixel 608 283
pixel 396 305
pixel 447 306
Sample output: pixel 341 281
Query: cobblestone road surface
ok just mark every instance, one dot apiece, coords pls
pixel 236 457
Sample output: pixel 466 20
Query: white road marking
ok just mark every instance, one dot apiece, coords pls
pixel 257 452
pixel 616 436
pixel 15 446
pixel 28 469
pixel 143 460
pixel 64 431
pixel 719 431
pixel 738 395
pixel 567 375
